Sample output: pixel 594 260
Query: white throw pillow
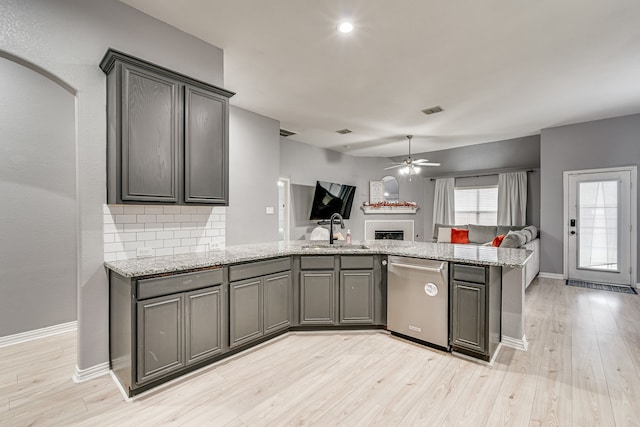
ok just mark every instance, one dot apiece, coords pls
pixel 444 235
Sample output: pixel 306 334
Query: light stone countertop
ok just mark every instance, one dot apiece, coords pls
pixel 467 254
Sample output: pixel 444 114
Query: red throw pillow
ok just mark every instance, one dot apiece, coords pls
pixel 497 240
pixel 459 236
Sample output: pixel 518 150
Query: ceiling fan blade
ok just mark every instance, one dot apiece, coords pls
pixel 429 164
pixel 394 166
pixel 420 161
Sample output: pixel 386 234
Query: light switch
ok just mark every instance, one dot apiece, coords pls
pixel 270 210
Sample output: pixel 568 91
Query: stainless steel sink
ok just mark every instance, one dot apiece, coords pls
pixel 319 246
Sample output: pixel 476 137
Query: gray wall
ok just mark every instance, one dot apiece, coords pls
pixel 254 156
pixel 492 157
pixel 305 164
pixel 592 145
pixel 69 38
pixel 38 191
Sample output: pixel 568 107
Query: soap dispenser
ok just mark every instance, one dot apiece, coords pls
pixel 348 236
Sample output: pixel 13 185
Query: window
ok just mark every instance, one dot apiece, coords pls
pixel 477 205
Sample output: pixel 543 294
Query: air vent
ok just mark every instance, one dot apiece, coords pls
pixel 285 133
pixel 344 131
pixel 433 110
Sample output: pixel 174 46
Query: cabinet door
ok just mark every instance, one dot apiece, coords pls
pixel 317 298
pixel 160 337
pixel 245 311
pixel 277 302
pixel 150 140
pixel 356 296
pixel 469 316
pixel 206 145
pixel 203 310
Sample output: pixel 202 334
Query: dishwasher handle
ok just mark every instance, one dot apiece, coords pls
pixel 419 267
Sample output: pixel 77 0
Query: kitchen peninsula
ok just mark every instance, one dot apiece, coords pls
pixel 194 309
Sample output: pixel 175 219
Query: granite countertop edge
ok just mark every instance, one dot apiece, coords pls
pixel 467 254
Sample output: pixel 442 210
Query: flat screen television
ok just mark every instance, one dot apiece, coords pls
pixel 330 198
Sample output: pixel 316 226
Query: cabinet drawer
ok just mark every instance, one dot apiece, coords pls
pixel 317 262
pixel 148 288
pixel 259 268
pixel 357 262
pixel 469 273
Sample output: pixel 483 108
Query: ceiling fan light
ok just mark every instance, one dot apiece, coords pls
pixel 416 170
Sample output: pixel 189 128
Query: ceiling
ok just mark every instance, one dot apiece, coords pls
pixel 499 69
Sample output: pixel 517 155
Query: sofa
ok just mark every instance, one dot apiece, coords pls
pixel 524 237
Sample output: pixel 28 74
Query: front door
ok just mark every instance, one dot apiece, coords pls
pixel 599 228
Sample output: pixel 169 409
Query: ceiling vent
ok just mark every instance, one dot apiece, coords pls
pixel 344 131
pixel 285 133
pixel 433 110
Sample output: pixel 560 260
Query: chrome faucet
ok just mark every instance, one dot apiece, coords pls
pixel 334 216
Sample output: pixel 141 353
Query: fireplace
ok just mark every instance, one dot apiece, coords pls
pixel 388 230
pixel 389 234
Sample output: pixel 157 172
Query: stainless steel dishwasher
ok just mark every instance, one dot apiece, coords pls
pixel 418 300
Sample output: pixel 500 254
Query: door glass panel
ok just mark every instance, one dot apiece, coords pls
pixel 598 225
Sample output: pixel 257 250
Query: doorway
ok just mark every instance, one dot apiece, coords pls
pixel 600 216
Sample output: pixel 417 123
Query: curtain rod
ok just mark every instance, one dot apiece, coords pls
pixel 479 175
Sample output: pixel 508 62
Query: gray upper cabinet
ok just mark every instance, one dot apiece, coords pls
pixel 167 136
pixel 206 159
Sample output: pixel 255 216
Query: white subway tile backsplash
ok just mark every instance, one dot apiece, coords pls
pixel 155 210
pixel 130 209
pixel 164 251
pixel 165 230
pixel 125 219
pixel 146 218
pixel 165 218
pixel 164 234
pixel 146 235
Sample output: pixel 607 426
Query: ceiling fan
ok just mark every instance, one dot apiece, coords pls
pixel 411 166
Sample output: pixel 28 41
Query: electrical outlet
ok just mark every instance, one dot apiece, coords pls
pixel 270 210
pixel 144 252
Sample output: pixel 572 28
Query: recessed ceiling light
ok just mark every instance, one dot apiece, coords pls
pixel 345 27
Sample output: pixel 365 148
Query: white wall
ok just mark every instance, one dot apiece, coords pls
pixel 591 145
pixel 38 221
pixel 253 178
pixel 304 164
pixel 69 38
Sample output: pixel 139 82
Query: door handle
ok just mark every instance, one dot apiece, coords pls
pixel 572 232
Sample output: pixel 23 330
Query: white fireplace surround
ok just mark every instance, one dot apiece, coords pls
pixel 373 225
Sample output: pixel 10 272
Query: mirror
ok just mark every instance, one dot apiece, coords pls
pixel 391 189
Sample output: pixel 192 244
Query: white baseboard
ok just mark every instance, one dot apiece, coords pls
pixel 82 375
pixel 38 333
pixel 551 276
pixel 518 344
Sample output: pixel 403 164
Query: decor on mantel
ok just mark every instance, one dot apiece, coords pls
pixel 390 208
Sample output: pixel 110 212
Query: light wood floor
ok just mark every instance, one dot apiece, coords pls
pixel 582 368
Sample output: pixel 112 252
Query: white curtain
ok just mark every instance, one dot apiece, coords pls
pixel 512 198
pixel 443 201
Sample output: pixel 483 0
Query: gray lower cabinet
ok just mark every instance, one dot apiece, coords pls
pixel 203 324
pixel 245 306
pixel 469 316
pixel 160 337
pixel 317 297
pixel 475 310
pixel 160 326
pixel 356 296
pixel 167 135
pixel 261 304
